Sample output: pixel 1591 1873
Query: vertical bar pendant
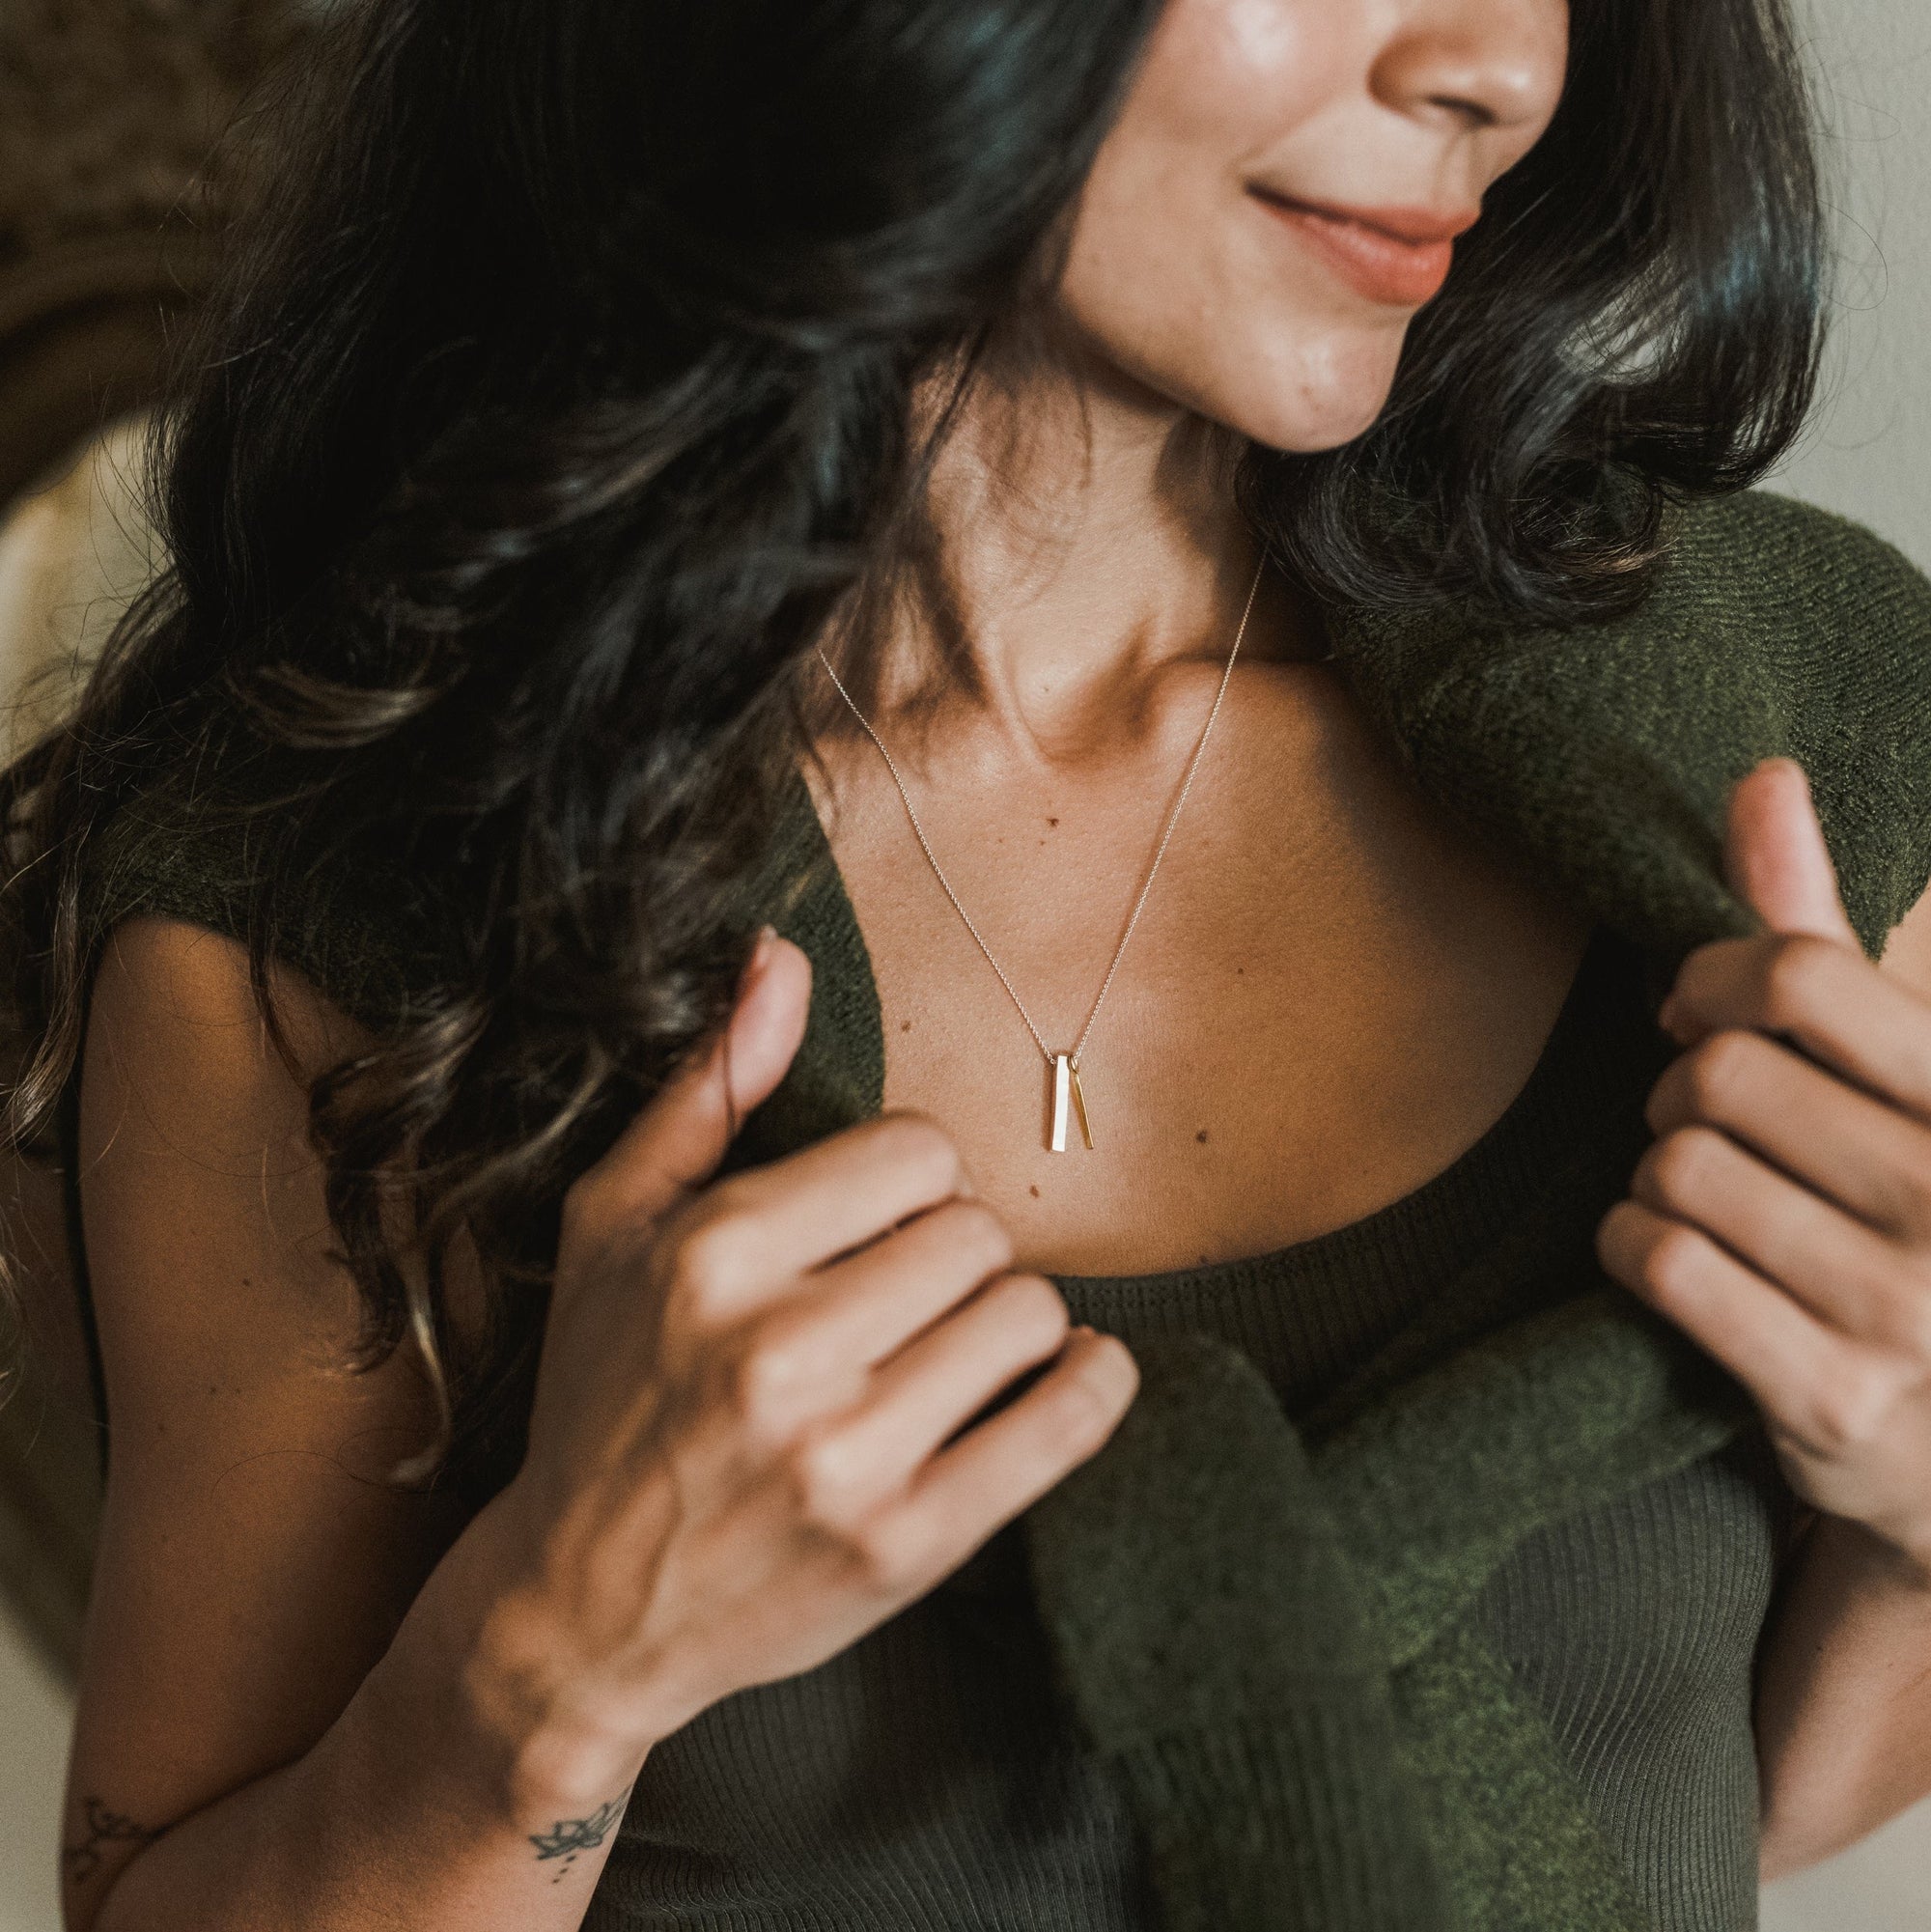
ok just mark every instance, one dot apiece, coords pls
pixel 1066 1087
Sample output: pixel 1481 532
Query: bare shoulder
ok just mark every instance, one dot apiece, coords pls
pixel 194 1146
pixel 174 1006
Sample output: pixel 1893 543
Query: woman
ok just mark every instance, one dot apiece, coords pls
pixel 627 424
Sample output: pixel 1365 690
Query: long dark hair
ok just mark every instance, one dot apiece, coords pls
pixel 558 393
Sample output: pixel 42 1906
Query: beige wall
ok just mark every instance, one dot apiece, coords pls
pixel 1869 451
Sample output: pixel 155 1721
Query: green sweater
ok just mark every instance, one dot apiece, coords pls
pixel 1420 1586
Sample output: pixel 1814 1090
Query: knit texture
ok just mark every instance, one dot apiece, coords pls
pixel 1601 757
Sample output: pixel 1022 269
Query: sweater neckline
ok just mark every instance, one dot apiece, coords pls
pixel 1582 1067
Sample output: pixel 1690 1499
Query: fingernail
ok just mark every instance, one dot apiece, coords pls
pixel 761 954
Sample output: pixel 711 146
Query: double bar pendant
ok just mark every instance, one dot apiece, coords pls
pixel 1065 1086
pixel 1062 1069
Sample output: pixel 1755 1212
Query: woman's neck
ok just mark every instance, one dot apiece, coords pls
pixel 1083 540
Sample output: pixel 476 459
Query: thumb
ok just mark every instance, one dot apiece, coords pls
pixel 1776 858
pixel 676 1142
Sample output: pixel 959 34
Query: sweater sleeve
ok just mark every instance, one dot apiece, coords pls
pixel 1602 755
pixel 1845 620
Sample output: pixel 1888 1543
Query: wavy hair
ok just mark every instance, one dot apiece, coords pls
pixel 559 390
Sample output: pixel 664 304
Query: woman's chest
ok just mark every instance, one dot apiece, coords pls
pixel 1330 993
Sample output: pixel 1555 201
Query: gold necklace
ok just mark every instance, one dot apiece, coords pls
pixel 1062 1068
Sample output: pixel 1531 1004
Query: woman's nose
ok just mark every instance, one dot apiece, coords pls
pixel 1495 63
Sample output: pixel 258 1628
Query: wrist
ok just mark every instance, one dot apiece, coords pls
pixel 545 1748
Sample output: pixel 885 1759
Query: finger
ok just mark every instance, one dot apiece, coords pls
pixel 1793 1364
pixel 1869 1156
pixel 676 1142
pixel 753 1235
pixel 938 1383
pixel 815 1347
pixel 1003 1464
pixel 1831 1004
pixel 1841 1271
pixel 868 1306
pixel 1776 855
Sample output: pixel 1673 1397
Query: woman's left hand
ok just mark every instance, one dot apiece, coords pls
pixel 1783 1216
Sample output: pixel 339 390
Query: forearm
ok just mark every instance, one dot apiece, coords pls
pixel 1843 1711
pixel 433 1802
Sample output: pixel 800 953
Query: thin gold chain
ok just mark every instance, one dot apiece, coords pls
pixel 1159 851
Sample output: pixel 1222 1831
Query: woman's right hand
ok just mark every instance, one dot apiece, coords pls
pixel 747 1446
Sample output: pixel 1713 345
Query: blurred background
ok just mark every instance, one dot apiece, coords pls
pixel 123 143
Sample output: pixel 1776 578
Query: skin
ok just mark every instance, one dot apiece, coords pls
pixel 310 1700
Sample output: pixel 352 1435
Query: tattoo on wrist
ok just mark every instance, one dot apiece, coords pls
pixel 571 1835
pixel 82 1862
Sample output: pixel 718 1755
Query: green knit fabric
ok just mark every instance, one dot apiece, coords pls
pixel 1602 756
pixel 1288 1636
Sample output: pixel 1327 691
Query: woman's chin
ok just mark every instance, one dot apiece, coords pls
pixel 1317 403
pixel 1303 431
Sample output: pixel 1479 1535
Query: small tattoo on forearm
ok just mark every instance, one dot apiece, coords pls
pixel 81 1861
pixel 572 1836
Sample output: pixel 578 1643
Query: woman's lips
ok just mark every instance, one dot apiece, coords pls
pixel 1397 256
